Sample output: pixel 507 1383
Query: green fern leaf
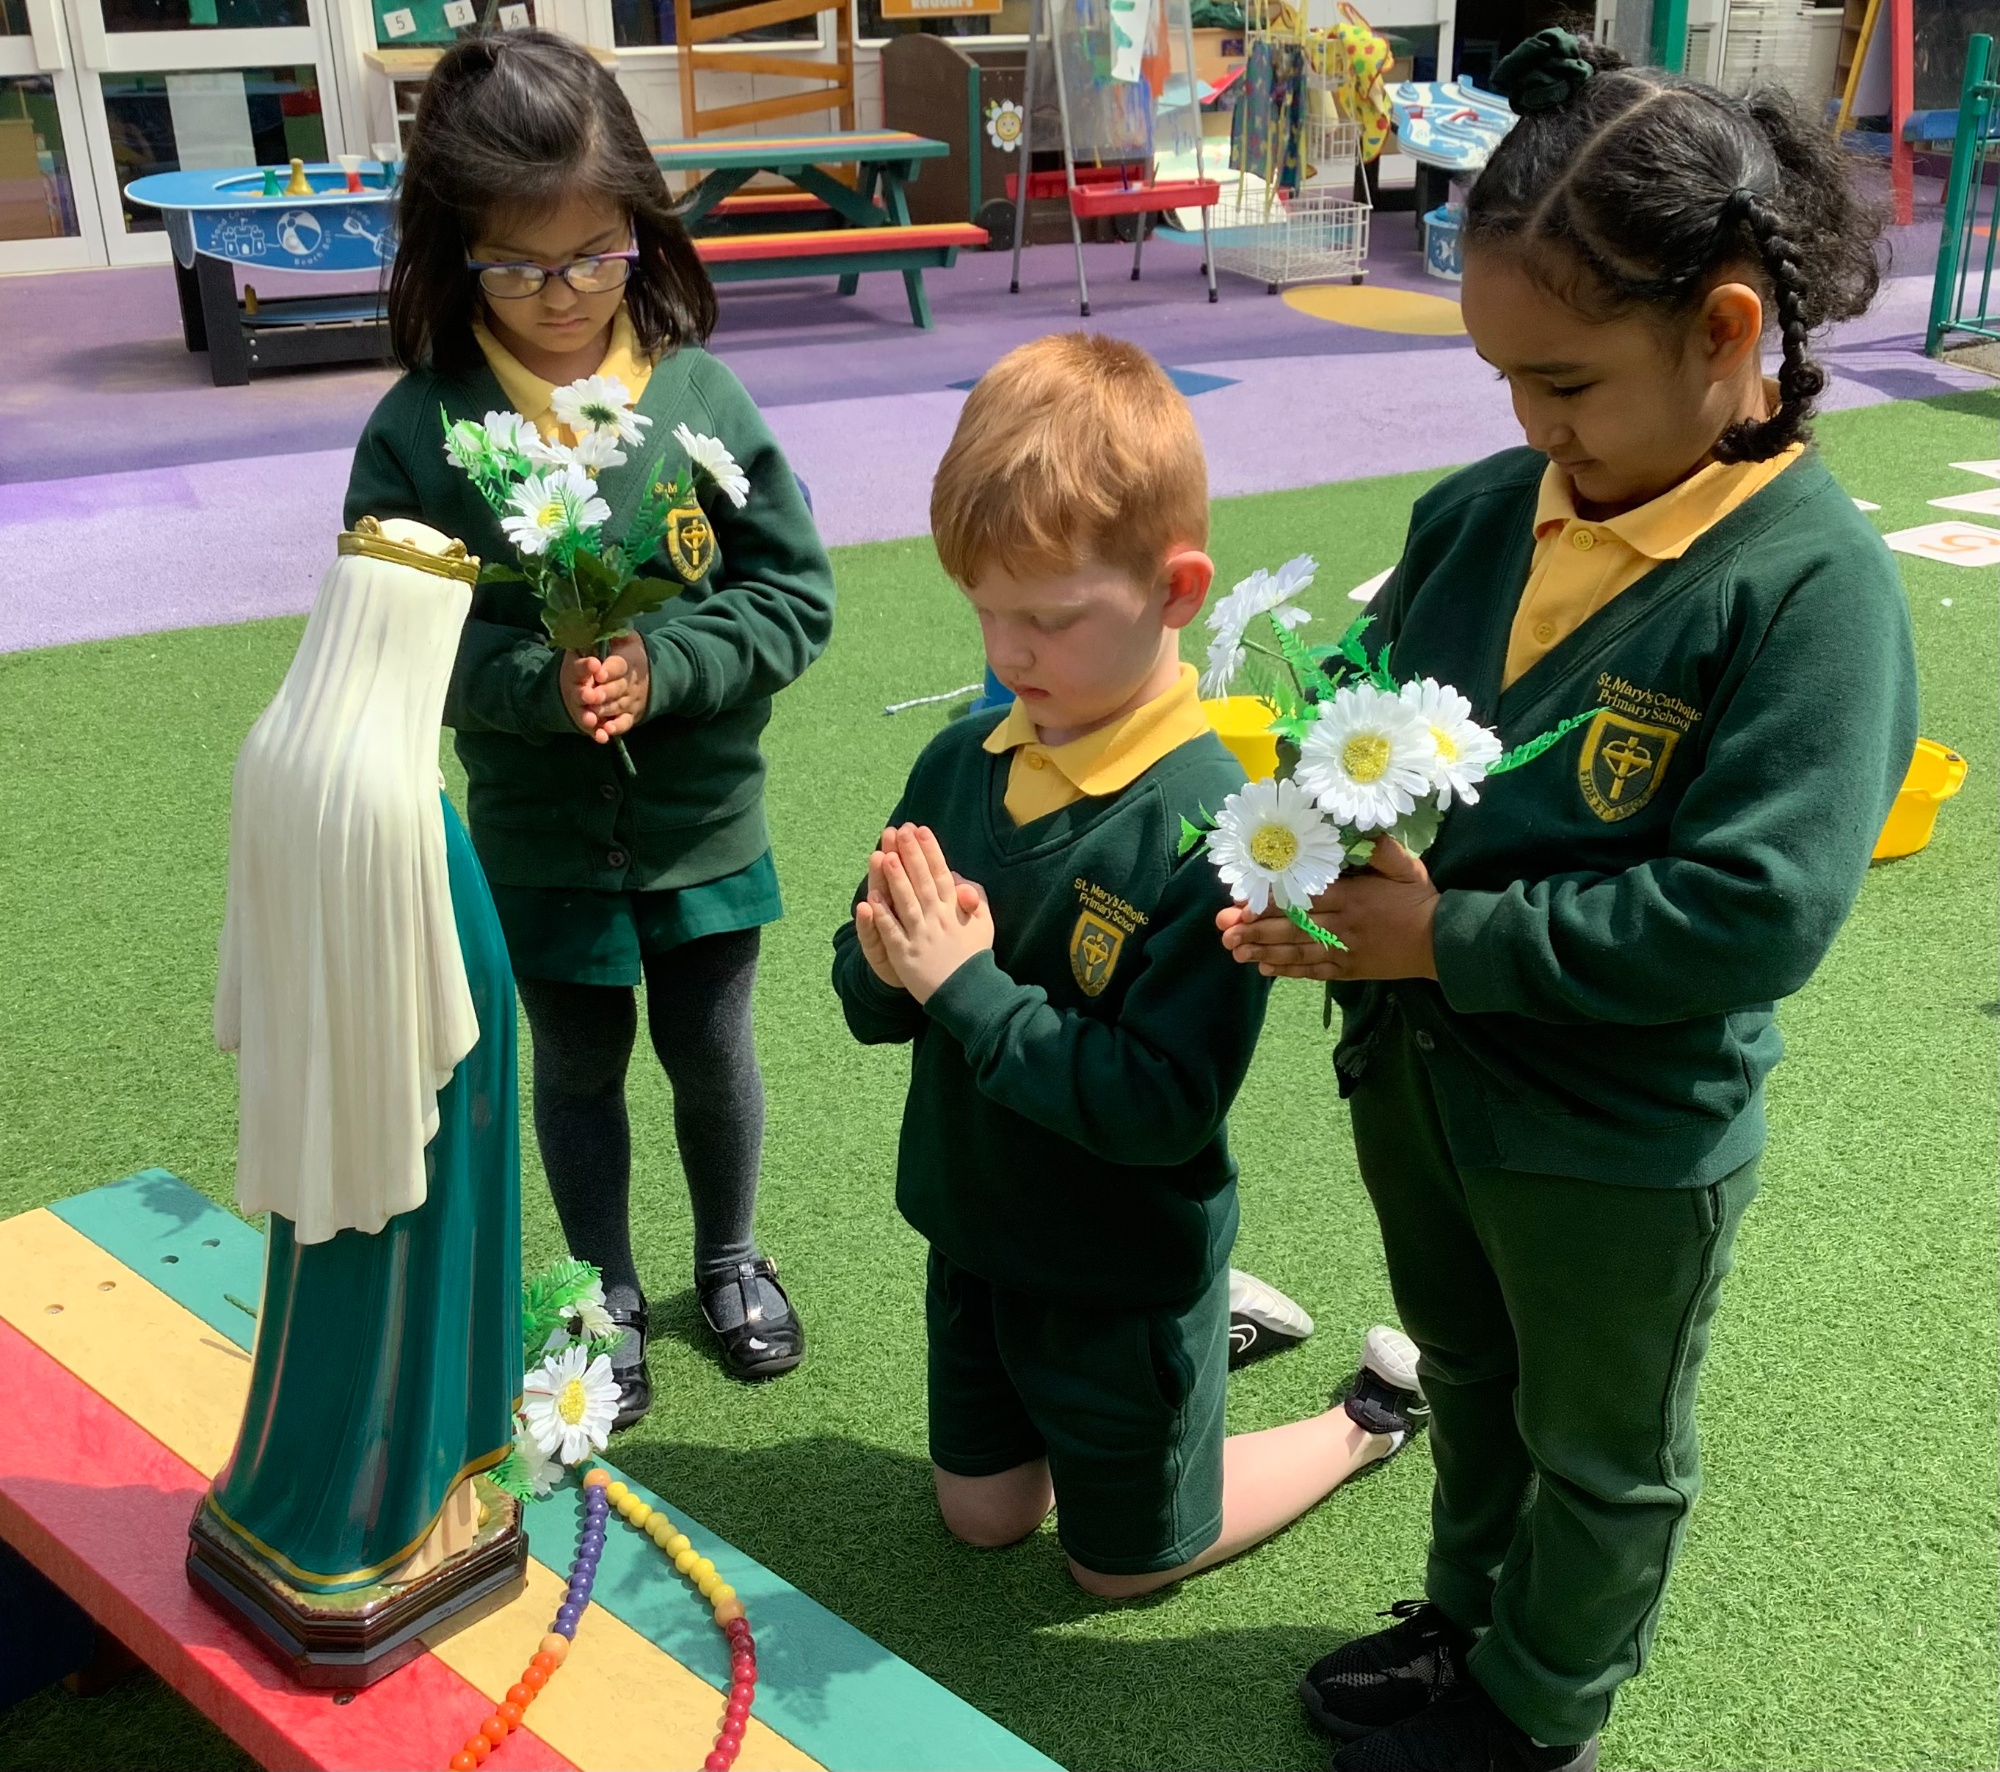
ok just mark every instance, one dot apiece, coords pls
pixel 1527 753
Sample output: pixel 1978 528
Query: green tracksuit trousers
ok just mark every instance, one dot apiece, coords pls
pixel 1562 1325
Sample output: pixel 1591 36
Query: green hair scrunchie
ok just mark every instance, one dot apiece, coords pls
pixel 1542 72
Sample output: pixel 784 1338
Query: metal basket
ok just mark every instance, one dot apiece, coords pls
pixel 1306 236
pixel 1310 236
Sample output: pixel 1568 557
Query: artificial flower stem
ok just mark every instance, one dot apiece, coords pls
pixel 1250 645
pixel 618 744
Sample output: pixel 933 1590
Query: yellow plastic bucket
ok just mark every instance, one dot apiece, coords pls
pixel 1935 775
pixel 1242 723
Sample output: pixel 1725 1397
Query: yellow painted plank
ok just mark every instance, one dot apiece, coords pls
pixel 620 1701
pixel 125 1338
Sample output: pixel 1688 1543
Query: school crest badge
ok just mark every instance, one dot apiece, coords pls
pixel 1622 764
pixel 1094 947
pixel 690 542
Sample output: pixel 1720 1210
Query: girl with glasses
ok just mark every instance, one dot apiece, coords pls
pixel 538 248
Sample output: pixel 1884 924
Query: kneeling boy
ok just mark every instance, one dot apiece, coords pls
pixel 1079 1035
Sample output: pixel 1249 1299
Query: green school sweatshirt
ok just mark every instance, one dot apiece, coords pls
pixel 1619 918
pixel 548 806
pixel 1065 1125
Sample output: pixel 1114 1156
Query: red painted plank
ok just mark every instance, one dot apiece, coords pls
pixel 770 203
pixel 841 242
pixel 101 1508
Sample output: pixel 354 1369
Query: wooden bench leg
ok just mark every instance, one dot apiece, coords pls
pixel 850 283
pixel 920 303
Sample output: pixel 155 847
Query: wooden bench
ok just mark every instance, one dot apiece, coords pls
pixel 841 252
pixel 128 1313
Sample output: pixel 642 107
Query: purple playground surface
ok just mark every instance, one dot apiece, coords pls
pixel 173 503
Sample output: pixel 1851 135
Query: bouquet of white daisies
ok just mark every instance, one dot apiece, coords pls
pixel 545 495
pixel 1361 755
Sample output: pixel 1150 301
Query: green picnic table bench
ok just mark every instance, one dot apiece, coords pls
pixel 871 228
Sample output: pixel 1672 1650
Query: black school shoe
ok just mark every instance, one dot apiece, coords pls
pixel 1378 1680
pixel 628 1366
pixel 1262 1319
pixel 1463 1731
pixel 757 1341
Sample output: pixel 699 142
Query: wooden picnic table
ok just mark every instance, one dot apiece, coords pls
pixel 865 214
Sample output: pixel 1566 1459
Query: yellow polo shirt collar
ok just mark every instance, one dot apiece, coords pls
pixel 533 398
pixel 1581 565
pixel 1045 778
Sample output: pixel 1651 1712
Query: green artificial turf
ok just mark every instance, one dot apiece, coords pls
pixel 1835 1606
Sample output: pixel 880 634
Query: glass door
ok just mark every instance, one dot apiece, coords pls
pixel 172 85
pixel 48 206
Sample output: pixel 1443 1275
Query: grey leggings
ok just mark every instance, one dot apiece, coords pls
pixel 698 1014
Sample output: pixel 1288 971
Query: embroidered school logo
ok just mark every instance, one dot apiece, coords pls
pixel 1623 764
pixel 1094 947
pixel 690 542
pixel 1099 936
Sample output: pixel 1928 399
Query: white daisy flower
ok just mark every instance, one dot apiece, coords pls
pixel 594 1320
pixel 541 1471
pixel 1271 843
pixel 1367 758
pixel 1262 593
pixel 711 455
pixel 549 506
pixel 508 433
pixel 569 1402
pixel 1465 749
pixel 597 450
pixel 467 447
pixel 598 403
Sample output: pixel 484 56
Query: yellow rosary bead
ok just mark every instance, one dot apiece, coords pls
pixel 615 1493
pixel 640 1515
pixel 702 1566
pixel 684 1560
pixel 676 1543
pixel 720 1594
pixel 659 1529
pixel 705 1585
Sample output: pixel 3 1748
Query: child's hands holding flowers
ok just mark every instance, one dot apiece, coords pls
pixel 1383 914
pixel 919 921
pixel 606 697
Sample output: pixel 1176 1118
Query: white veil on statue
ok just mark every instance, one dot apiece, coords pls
pixel 342 987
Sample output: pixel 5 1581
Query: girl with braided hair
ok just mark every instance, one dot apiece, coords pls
pixel 1557 1025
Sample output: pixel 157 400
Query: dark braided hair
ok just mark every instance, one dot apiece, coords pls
pixel 1623 187
pixel 521 119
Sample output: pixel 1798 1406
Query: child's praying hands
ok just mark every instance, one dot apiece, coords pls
pixel 923 920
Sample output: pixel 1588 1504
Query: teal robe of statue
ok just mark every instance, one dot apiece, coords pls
pixel 388 1367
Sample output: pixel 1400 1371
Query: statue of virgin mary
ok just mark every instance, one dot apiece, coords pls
pixel 364 986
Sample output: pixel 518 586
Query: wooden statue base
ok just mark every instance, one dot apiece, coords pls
pixel 347 1641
